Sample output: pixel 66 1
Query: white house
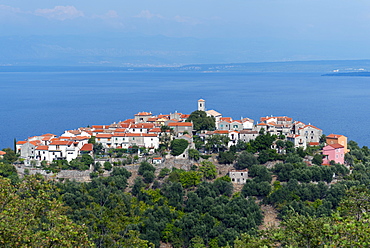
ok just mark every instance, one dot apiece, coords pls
pixel 238 176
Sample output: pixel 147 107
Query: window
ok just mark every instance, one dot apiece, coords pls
pixel 242 173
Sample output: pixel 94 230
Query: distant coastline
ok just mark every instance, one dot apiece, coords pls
pixel 349 74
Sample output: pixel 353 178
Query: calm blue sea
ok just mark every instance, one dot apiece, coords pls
pixel 34 103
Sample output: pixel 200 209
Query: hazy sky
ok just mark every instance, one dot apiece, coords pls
pixel 341 26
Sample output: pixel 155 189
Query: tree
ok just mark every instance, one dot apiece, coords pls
pixel 10 156
pixel 178 146
pixel 227 157
pixel 87 159
pixel 145 166
pixel 208 169
pixel 107 166
pixel 31 217
pixel 217 143
pixel 148 176
pixel 201 121
pixel 190 178
pixel 194 154
pixel 245 160
pixel 317 159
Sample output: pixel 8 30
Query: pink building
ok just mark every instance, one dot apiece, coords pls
pixel 333 152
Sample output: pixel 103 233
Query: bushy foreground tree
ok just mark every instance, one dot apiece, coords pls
pixel 31 216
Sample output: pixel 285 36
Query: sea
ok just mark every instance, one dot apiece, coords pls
pixel 35 102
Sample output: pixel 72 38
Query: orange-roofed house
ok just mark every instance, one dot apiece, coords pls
pixel 224 123
pixel 140 128
pixel 87 149
pixel 248 135
pixel 27 150
pixel 175 116
pixel 2 153
pixel 142 117
pixel 337 139
pixel 334 152
pixel 157 160
pixel 311 133
pixel 126 140
pixel 19 144
pixel 247 123
pixel 236 125
pixel 161 121
pixel 42 153
pixel 105 139
pixel 180 127
pixel 63 149
pixel 298 140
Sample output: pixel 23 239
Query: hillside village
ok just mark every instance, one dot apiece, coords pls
pixel 182 180
pixel 146 133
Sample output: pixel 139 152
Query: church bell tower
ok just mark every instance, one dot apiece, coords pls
pixel 201 105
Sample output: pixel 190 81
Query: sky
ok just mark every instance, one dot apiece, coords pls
pixel 223 31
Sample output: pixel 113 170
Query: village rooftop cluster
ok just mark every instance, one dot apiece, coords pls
pixel 144 131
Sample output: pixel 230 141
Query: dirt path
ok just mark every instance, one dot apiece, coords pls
pixel 269 217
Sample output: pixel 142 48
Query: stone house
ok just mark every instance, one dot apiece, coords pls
pixel 238 176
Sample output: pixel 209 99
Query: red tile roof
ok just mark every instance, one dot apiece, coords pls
pixel 104 135
pixel 44 148
pixel 228 119
pixel 336 146
pixel 143 114
pixel 180 124
pixel 61 143
pixel 221 132
pixel 87 147
pixel 335 136
pixel 142 125
pixel 314 144
pixel 128 121
pixel 312 127
pixel 35 142
pixel 152 119
pixel 2 153
pixel 155 130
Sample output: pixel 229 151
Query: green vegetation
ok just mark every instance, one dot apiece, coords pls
pixel 318 206
pixel 31 215
pixel 201 121
pixel 178 146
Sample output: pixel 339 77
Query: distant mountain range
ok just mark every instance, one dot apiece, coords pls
pixel 327 68
pixel 159 53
